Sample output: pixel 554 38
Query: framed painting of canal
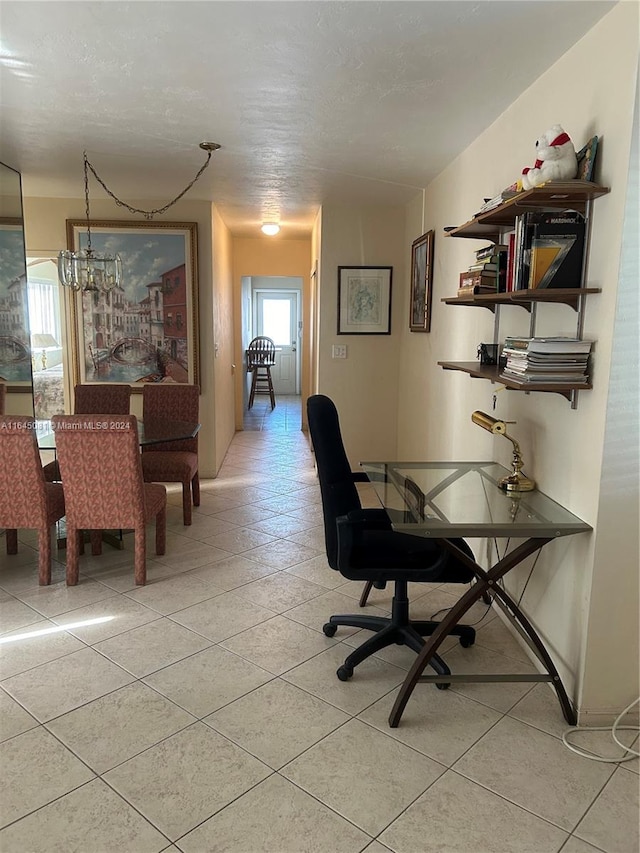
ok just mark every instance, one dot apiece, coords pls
pixel 146 328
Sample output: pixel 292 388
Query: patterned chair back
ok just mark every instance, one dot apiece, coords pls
pixel 23 501
pixel 99 399
pixel 101 470
pixel 173 402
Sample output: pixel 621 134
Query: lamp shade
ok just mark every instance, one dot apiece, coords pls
pixel 42 341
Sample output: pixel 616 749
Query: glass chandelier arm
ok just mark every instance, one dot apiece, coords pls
pixel 148 214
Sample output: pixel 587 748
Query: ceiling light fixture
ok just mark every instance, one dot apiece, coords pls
pixel 270 228
pixel 89 270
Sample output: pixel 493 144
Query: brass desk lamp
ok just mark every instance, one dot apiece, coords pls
pixel 516 481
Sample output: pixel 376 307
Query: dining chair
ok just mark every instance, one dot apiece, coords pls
pixel 104 398
pixel 26 499
pixel 362 545
pixel 101 469
pixel 261 357
pixel 173 461
pixel 108 399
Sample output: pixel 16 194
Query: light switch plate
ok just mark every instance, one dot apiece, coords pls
pixel 339 351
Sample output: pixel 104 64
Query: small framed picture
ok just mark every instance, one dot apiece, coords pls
pixel 364 300
pixel 421 283
pixel 586 158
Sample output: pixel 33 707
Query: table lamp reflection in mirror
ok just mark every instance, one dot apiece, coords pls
pixel 516 481
pixel 42 342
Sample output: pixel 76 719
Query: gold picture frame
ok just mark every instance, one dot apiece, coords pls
pixel 421 283
pixel 146 330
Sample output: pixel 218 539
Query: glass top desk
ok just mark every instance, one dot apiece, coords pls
pixel 462 499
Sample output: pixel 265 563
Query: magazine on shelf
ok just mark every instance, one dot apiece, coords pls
pixel 548 345
pixel 543 378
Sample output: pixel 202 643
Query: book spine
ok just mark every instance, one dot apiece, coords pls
pixel 474 289
pixel 471 278
pixel 510 261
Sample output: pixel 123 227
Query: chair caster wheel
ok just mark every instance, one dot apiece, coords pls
pixel 344 673
pixel 329 630
pixel 467 639
pixel 443 686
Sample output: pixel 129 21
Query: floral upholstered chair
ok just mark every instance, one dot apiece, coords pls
pixel 102 474
pixel 26 499
pixel 174 461
pixel 93 400
pixel 101 399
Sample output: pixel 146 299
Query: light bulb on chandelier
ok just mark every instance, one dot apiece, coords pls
pixel 89 270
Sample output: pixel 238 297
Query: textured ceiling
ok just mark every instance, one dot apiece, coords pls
pixel 311 101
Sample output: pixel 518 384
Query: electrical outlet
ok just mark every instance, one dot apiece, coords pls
pixel 339 351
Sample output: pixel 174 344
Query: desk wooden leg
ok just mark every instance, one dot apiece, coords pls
pixel 485 581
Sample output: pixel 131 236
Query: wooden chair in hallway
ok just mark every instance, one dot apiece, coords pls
pixel 261 357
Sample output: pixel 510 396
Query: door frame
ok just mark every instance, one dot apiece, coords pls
pixel 287 291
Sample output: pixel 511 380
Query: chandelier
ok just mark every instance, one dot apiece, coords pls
pixel 89 270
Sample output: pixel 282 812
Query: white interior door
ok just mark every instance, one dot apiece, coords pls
pixel 277 318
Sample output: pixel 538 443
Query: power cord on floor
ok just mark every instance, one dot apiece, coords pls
pixel 633 753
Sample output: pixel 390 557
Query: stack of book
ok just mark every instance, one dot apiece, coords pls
pixel 547 360
pixel 497 200
pixel 488 272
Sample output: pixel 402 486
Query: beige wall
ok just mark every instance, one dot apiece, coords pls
pixel 590 91
pixel 363 386
pixel 223 337
pixel 270 256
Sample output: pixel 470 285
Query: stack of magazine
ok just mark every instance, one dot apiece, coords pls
pixel 547 360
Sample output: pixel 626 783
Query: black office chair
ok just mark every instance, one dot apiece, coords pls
pixel 362 545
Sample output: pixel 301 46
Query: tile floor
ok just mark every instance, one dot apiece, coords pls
pixel 201 713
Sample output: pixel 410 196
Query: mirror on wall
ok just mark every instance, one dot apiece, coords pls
pixel 15 342
pixel 47 323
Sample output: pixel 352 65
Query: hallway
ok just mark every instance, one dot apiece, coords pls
pixel 202 713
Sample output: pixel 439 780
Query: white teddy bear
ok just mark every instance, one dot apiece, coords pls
pixel 556 159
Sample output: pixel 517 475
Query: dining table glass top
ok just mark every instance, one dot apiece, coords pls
pixel 447 499
pixel 150 431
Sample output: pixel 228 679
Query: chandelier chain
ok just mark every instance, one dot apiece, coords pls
pixel 148 214
pixel 86 202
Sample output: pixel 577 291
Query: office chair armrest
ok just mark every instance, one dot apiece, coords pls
pixel 359 477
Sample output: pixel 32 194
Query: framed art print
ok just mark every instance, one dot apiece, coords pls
pixel 145 330
pixel 421 283
pixel 364 300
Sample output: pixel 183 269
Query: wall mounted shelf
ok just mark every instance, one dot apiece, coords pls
pixel 493 225
pixel 492 373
